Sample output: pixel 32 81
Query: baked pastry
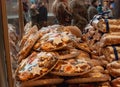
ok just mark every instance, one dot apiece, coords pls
pixel 28 34
pixel 72 67
pixel 103 60
pixel 88 80
pixel 28 46
pixel 104 84
pixel 96 84
pixel 97 74
pixel 50 82
pixel 116 82
pixel 68 53
pixel 12 33
pixel 110 50
pixel 112 28
pixel 95 62
pixel 27 27
pixel 45 81
pixel 83 46
pixel 83 55
pixel 111 53
pixel 13 47
pixel 74 30
pixel 97 71
pixel 55 41
pixel 95 48
pixel 36 66
pixel 112 23
pixel 114 68
pixel 110 39
pixel 89 34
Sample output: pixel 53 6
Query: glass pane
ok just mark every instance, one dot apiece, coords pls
pixel 13 13
pixel 12 8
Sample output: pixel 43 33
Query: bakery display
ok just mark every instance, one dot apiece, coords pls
pixel 58 55
pixel 43 51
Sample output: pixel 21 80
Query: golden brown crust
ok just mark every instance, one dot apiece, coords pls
pixel 109 52
pixel 28 33
pixel 89 80
pixel 55 41
pixel 68 54
pixel 113 25
pixel 74 30
pixel 114 68
pixel 28 46
pixel 42 82
pixel 72 67
pixel 36 66
pixel 110 39
pixel 116 82
pixel 97 71
pixel 83 46
pixel 95 62
pixel 83 55
pixel 27 27
pixel 104 84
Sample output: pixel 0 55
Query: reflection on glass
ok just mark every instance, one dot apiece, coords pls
pixel 12 8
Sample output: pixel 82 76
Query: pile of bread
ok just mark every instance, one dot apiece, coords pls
pixel 63 55
pixel 103 39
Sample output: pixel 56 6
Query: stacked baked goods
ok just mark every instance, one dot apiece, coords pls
pixel 14 49
pixel 51 54
pixel 63 55
pixel 102 37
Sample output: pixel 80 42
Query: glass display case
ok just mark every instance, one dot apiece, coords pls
pixel 10 11
pixel 14 9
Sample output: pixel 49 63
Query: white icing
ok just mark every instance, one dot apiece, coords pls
pixel 28 66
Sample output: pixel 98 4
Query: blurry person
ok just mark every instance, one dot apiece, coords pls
pixel 62 12
pixel 92 10
pixel 117 9
pixel 106 7
pixel 25 11
pixel 34 14
pixel 100 8
pixel 87 3
pixel 79 13
pixel 32 1
pixel 112 6
pixel 43 13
